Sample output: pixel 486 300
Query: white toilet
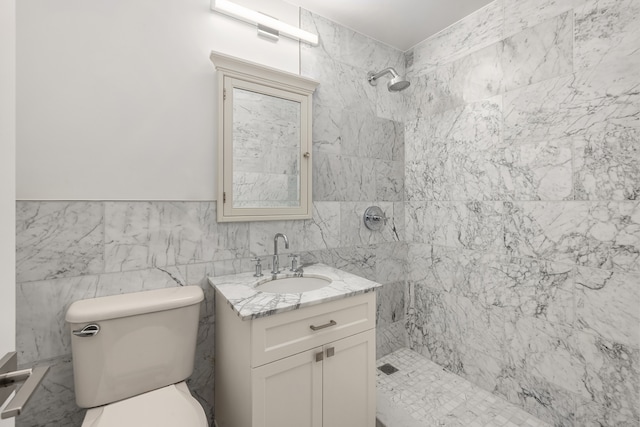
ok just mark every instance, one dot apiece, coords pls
pixel 131 355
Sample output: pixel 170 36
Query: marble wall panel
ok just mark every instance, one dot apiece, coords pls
pixel 415 137
pixel 530 289
pixel 555 292
pixel 359 260
pixel 323 230
pixel 343 86
pixel 611 379
pixel 58 239
pixel 197 274
pixel 535 54
pixel 399 218
pixel 463 158
pixel 390 338
pixel 418 182
pixel 471 78
pixel 522 14
pixel 478 30
pixel 471 126
pixel 603 99
pixel 366 135
pixel 539 52
pixel 420 269
pixel 538 171
pixel 443 326
pixel 561 368
pixel 590 234
pixel 606 31
pixel 326 129
pixel 343 178
pixel 468 225
pixel 481 369
pixel 389 180
pixel 606 166
pixel 390 304
pixel 391 262
pixel 537 396
pixel 607 304
pixel 517 287
pixel 397 149
pixel 148 234
pixel 345 45
pixel 142 235
pixel 541 349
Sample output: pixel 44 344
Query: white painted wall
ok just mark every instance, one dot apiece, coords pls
pixel 116 99
pixel 7 183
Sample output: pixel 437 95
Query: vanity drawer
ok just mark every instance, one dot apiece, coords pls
pixel 282 335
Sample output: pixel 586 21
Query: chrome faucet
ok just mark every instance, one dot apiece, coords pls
pixel 276 259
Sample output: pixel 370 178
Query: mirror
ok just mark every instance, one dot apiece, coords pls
pixel 266 155
pixel 264 147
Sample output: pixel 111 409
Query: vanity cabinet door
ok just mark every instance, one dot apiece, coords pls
pixel 288 392
pixel 349 381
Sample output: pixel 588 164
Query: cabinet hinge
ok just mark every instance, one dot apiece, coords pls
pixel 224 197
pixel 224 94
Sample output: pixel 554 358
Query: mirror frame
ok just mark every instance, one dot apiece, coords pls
pixel 235 72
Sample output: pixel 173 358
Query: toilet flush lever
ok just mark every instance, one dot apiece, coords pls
pixel 88 331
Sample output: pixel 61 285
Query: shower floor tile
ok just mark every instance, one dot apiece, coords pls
pixel 423 394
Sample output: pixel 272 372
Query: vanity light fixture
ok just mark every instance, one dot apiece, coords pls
pixel 266 24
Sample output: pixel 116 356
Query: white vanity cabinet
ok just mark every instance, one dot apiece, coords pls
pixel 310 367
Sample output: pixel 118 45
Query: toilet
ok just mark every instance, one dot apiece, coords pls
pixel 131 356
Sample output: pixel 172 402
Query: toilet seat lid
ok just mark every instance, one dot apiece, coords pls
pixel 165 407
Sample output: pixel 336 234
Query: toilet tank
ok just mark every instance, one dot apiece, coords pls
pixel 146 340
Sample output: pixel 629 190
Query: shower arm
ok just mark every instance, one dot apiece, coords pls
pixel 376 76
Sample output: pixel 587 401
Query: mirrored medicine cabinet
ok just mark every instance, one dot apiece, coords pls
pixel 264 142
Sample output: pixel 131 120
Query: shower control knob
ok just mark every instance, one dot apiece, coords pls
pixel 374 218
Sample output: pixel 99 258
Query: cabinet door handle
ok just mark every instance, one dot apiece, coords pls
pixel 326 325
pixel 319 357
pixel 331 351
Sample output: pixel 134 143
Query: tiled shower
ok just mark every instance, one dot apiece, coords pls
pixel 509 169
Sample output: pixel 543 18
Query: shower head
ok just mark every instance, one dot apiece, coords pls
pixel 396 84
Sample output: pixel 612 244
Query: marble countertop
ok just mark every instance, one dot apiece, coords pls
pixel 249 303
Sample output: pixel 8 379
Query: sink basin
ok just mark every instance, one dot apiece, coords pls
pixel 293 285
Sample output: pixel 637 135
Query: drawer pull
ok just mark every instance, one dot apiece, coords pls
pixel 326 325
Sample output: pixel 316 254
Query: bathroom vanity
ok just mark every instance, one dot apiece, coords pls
pixel 295 359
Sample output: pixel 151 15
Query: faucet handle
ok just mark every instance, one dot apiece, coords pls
pixel 258 272
pixel 294 262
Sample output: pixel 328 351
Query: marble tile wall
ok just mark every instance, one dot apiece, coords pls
pixel 68 251
pixel 358 151
pixel 522 217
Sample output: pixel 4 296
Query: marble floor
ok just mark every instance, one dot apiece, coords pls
pixel 423 394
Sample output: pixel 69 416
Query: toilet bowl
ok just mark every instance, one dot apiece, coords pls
pixel 169 406
pixel 131 356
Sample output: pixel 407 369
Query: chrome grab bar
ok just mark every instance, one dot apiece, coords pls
pixel 10 376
